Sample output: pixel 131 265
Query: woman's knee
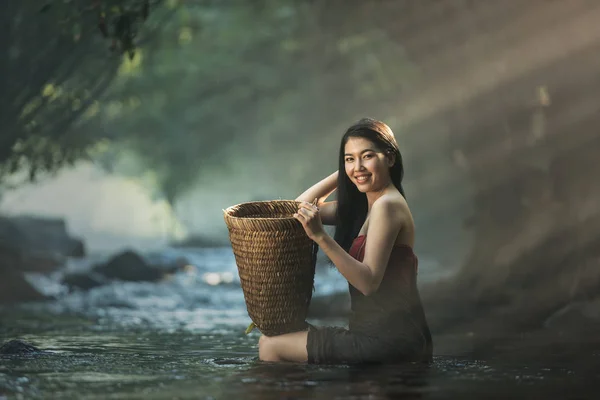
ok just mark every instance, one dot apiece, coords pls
pixel 266 349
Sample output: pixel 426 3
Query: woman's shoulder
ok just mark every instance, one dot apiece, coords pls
pixel 392 202
pixel 392 206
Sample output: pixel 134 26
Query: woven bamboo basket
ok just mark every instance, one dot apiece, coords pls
pixel 276 263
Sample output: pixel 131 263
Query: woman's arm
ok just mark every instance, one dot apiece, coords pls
pixel 385 223
pixel 320 191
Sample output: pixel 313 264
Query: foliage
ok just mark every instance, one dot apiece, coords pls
pixel 246 78
pixel 250 79
pixel 58 68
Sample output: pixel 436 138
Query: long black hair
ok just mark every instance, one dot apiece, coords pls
pixel 352 205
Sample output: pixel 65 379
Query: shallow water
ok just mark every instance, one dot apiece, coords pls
pixel 86 361
pixel 185 339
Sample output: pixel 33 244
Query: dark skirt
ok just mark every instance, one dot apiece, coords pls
pixel 334 345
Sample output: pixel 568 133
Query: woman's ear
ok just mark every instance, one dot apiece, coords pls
pixel 390 157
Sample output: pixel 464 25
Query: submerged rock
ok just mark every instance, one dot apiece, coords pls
pixel 17 346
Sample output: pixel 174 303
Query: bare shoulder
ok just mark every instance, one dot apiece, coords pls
pixel 392 210
pixel 393 206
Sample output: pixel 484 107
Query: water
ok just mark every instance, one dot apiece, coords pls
pixel 184 338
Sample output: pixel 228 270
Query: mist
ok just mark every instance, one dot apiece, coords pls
pixel 110 212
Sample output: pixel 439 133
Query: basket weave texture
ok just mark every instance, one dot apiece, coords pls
pixel 276 263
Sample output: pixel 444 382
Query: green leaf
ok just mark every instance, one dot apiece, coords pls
pixel 250 328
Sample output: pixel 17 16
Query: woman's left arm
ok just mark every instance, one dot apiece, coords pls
pixel 385 223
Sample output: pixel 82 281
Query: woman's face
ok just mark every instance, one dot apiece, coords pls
pixel 366 165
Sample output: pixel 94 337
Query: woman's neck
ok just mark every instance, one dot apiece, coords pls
pixel 372 196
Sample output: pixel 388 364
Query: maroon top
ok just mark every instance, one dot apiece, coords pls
pixel 395 309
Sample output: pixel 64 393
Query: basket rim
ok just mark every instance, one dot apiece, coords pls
pixel 228 210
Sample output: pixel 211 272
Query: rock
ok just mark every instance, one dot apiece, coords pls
pixel 15 258
pixel 10 257
pixel 125 266
pixel 78 249
pixel 129 266
pixel 14 288
pixel 42 263
pixel 17 346
pixel 40 236
pixel 84 281
pixel 166 262
pixel 31 244
pixel 336 305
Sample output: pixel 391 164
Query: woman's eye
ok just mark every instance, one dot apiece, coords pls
pixel 368 155
pixel 348 160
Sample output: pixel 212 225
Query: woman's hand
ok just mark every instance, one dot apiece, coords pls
pixel 308 215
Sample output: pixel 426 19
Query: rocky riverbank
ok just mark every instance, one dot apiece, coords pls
pixel 43 245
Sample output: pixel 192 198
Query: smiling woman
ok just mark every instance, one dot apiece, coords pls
pixel 388 324
pixel 362 160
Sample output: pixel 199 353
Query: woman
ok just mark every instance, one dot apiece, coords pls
pixel 372 249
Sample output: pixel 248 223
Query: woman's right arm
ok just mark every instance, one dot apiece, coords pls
pixel 320 191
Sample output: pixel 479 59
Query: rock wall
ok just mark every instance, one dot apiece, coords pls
pixel 530 148
pixel 31 244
